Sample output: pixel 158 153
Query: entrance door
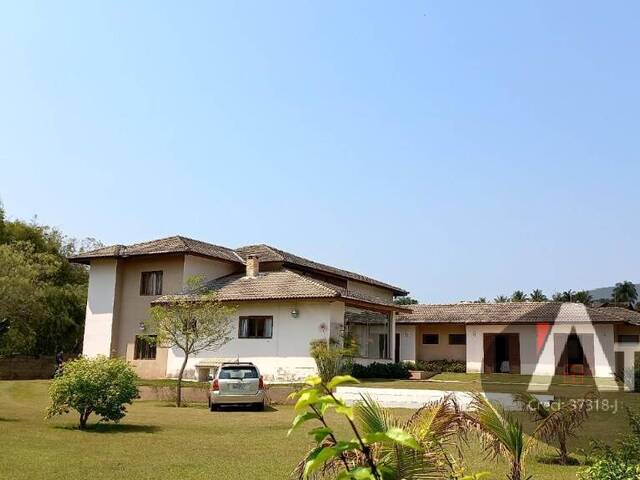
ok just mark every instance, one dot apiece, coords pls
pixel 574 354
pixel 397 354
pixel 502 353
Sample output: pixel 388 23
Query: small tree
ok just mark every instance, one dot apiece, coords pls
pixel 93 385
pixel 557 421
pixel 333 357
pixel 192 323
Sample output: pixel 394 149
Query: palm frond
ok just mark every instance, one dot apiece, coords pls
pixel 531 404
pixel 565 419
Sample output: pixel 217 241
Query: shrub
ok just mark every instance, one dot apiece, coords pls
pixel 610 469
pixel 100 385
pixel 333 357
pixel 381 370
pixel 440 366
pixel 619 462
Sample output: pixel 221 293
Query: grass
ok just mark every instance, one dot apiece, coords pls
pixel 157 441
pixel 569 386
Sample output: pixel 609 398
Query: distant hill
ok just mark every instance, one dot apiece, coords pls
pixel 606 292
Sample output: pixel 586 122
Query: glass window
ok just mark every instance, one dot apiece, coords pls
pixel 430 339
pixel 144 349
pixel 457 339
pixel 370 330
pixel 151 283
pixel 255 327
pixel 240 373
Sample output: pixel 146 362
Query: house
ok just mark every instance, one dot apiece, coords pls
pixel 283 303
pixel 529 338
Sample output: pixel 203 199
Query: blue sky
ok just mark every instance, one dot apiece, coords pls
pixel 457 149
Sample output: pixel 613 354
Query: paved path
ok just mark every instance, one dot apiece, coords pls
pixel 416 398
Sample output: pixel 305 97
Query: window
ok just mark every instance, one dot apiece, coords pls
pixel 430 339
pixel 628 338
pixel 151 283
pixel 255 327
pixel 457 339
pixel 237 373
pixel 144 349
pixel 370 329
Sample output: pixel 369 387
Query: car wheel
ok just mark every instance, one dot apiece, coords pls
pixel 212 406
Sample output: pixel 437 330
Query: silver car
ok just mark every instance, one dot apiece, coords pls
pixel 237 383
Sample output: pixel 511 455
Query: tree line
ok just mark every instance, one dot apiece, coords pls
pixel 624 293
pixel 42 295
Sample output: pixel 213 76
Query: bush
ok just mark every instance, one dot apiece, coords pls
pixel 333 357
pixel 610 469
pixel 619 462
pixel 440 366
pixel 100 385
pixel 381 370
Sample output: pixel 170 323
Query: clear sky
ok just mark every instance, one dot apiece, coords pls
pixel 456 149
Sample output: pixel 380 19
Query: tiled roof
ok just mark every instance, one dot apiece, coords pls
pixel 176 244
pixel 514 312
pixel 280 285
pixel 267 253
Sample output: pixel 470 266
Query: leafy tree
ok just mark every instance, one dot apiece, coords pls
pixel 625 292
pixel 557 420
pixel 501 299
pixel 384 446
pixel 100 385
pixel 538 296
pixel 192 323
pixel 42 295
pixel 501 433
pixel 519 296
pixel 583 296
pixel 405 301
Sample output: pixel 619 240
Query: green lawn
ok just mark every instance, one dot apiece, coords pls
pixel 157 441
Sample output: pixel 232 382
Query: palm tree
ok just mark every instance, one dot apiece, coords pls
pixel 538 296
pixel 625 292
pixel 557 420
pixel 481 300
pixel 519 296
pixel 436 427
pixel 566 296
pixel 501 299
pixel 501 433
pixel 583 296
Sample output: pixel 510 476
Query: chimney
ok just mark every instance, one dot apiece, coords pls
pixel 253 265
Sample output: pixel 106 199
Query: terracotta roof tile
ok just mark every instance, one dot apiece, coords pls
pixel 267 253
pixel 515 312
pixel 176 244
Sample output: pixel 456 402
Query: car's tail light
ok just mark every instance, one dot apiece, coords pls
pixel 261 383
pixel 215 386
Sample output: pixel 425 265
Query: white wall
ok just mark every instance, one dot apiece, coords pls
pixel 544 362
pixel 407 342
pixel 285 356
pixel 209 268
pixel 100 320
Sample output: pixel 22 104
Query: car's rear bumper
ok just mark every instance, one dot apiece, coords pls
pixel 218 399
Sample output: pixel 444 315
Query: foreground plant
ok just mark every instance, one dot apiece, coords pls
pixel 383 446
pixel 557 421
pixel 501 433
pixel 101 385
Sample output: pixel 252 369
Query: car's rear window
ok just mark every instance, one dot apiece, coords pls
pixel 230 373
